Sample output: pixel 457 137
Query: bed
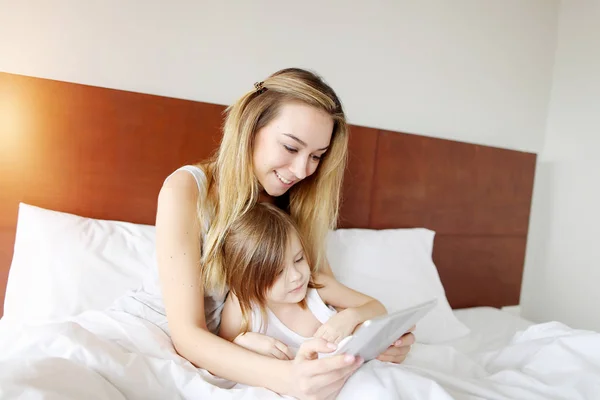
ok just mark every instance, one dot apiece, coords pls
pixel 81 167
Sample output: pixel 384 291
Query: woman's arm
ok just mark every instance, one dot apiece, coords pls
pixel 178 251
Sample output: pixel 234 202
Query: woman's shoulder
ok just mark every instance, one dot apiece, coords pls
pixel 189 180
pixel 182 193
pixel 180 188
pixel 180 185
pixel 186 177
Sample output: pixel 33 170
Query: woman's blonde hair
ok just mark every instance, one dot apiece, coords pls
pixel 254 255
pixel 233 188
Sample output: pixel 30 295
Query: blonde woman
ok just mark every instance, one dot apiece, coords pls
pixel 284 142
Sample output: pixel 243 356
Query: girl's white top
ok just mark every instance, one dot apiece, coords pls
pixel 279 331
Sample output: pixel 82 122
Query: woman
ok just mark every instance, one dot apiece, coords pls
pixel 285 143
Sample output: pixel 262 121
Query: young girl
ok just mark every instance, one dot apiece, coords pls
pixel 277 300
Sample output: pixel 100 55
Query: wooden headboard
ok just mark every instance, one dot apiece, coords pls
pixel 104 153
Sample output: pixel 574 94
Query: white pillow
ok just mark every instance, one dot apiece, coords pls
pixel 64 264
pixel 395 266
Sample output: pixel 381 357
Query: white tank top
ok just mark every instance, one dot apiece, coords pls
pixel 278 330
pixel 147 302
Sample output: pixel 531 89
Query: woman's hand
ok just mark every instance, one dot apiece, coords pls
pixel 338 327
pixel 311 378
pixel 397 352
pixel 263 344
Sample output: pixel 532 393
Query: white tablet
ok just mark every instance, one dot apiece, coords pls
pixel 377 334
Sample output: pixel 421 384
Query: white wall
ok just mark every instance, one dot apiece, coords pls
pixel 472 70
pixel 562 273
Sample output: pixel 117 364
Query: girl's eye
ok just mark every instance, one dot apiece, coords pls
pixel 290 149
pixel 300 259
pixel 317 158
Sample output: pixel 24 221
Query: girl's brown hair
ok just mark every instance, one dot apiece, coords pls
pixel 254 254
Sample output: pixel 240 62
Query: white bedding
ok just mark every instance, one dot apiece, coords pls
pixel 113 355
pixel 490 329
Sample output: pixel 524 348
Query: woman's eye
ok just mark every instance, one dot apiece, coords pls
pixel 300 259
pixel 317 158
pixel 290 149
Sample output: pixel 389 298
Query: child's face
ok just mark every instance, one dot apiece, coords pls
pixel 291 284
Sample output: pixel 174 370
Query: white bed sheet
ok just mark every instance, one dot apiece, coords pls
pixel 490 328
pixel 114 355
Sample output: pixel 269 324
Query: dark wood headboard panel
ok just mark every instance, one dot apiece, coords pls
pixel 104 153
pixel 476 198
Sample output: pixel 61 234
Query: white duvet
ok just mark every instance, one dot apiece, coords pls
pixel 113 355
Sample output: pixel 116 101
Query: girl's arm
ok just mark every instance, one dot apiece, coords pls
pixel 363 307
pixel 357 308
pixel 178 252
pixel 397 352
pixel 231 318
pixel 231 321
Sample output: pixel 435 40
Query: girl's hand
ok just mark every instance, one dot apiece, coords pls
pixel 265 345
pixel 339 326
pixel 397 352
pixel 319 379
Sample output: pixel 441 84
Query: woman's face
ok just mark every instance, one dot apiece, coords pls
pixel 289 148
